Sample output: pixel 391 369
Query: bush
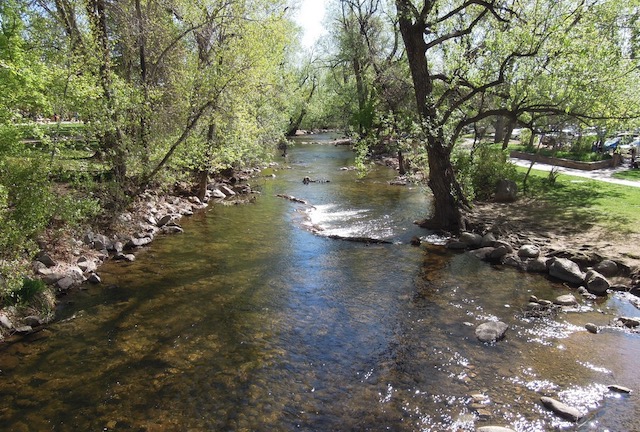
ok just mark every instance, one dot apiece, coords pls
pixel 480 171
pixel 26 293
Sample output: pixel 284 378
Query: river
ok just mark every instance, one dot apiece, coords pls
pixel 251 322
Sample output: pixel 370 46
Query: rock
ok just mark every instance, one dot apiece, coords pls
pixel 483 414
pixel 529 251
pixel 491 331
pixel 227 191
pixel 51 277
pixel 482 253
pixel 151 220
pixel 88 238
pixel 592 328
pixel 456 245
pixel 536 265
pixel 561 409
pixel 86 265
pixel 46 259
pixel 494 429
pixel 6 322
pixel 165 220
pixel 37 266
pixel 619 389
pixel 629 322
pixel 566 270
pixel 506 191
pixel 218 194
pixel 500 251
pixel 596 283
pixel 125 257
pixel 172 229
pixel 24 329
pixel 488 240
pixel 512 261
pixel 472 239
pixel 33 321
pixel 118 247
pixel 101 241
pixel 138 242
pixel 566 300
pixel 65 283
pixel 606 268
pixel 94 279
pixel 586 294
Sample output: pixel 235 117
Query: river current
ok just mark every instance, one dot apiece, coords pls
pixel 249 321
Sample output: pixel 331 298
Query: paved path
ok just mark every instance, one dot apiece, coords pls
pixel 602 174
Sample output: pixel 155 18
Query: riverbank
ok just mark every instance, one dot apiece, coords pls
pixel 69 260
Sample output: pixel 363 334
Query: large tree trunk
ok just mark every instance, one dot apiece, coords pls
pixel 447 197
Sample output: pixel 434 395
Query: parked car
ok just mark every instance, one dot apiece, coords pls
pixel 612 143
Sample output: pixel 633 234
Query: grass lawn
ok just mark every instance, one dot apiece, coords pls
pixel 631 174
pixel 582 202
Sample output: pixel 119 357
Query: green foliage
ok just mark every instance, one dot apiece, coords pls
pixel 480 171
pixel 26 292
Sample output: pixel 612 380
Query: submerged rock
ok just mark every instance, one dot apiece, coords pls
pixel 591 328
pixel 561 409
pixel 619 389
pixel 566 300
pixel 491 331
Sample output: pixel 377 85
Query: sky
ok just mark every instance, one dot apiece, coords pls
pixel 310 17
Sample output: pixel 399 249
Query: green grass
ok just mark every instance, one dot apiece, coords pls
pixel 580 202
pixel 632 174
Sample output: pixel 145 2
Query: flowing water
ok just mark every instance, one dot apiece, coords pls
pixel 251 322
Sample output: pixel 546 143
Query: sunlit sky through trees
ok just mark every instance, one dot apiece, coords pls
pixel 310 17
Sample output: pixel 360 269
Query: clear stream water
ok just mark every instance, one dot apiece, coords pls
pixel 250 322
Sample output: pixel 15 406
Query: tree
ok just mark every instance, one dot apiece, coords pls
pixel 473 60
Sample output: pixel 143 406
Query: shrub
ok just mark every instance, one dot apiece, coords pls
pixel 26 293
pixel 480 171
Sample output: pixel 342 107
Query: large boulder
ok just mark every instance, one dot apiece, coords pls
pixel 491 331
pixel 566 270
pixel 596 283
pixel 606 268
pixel 506 191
